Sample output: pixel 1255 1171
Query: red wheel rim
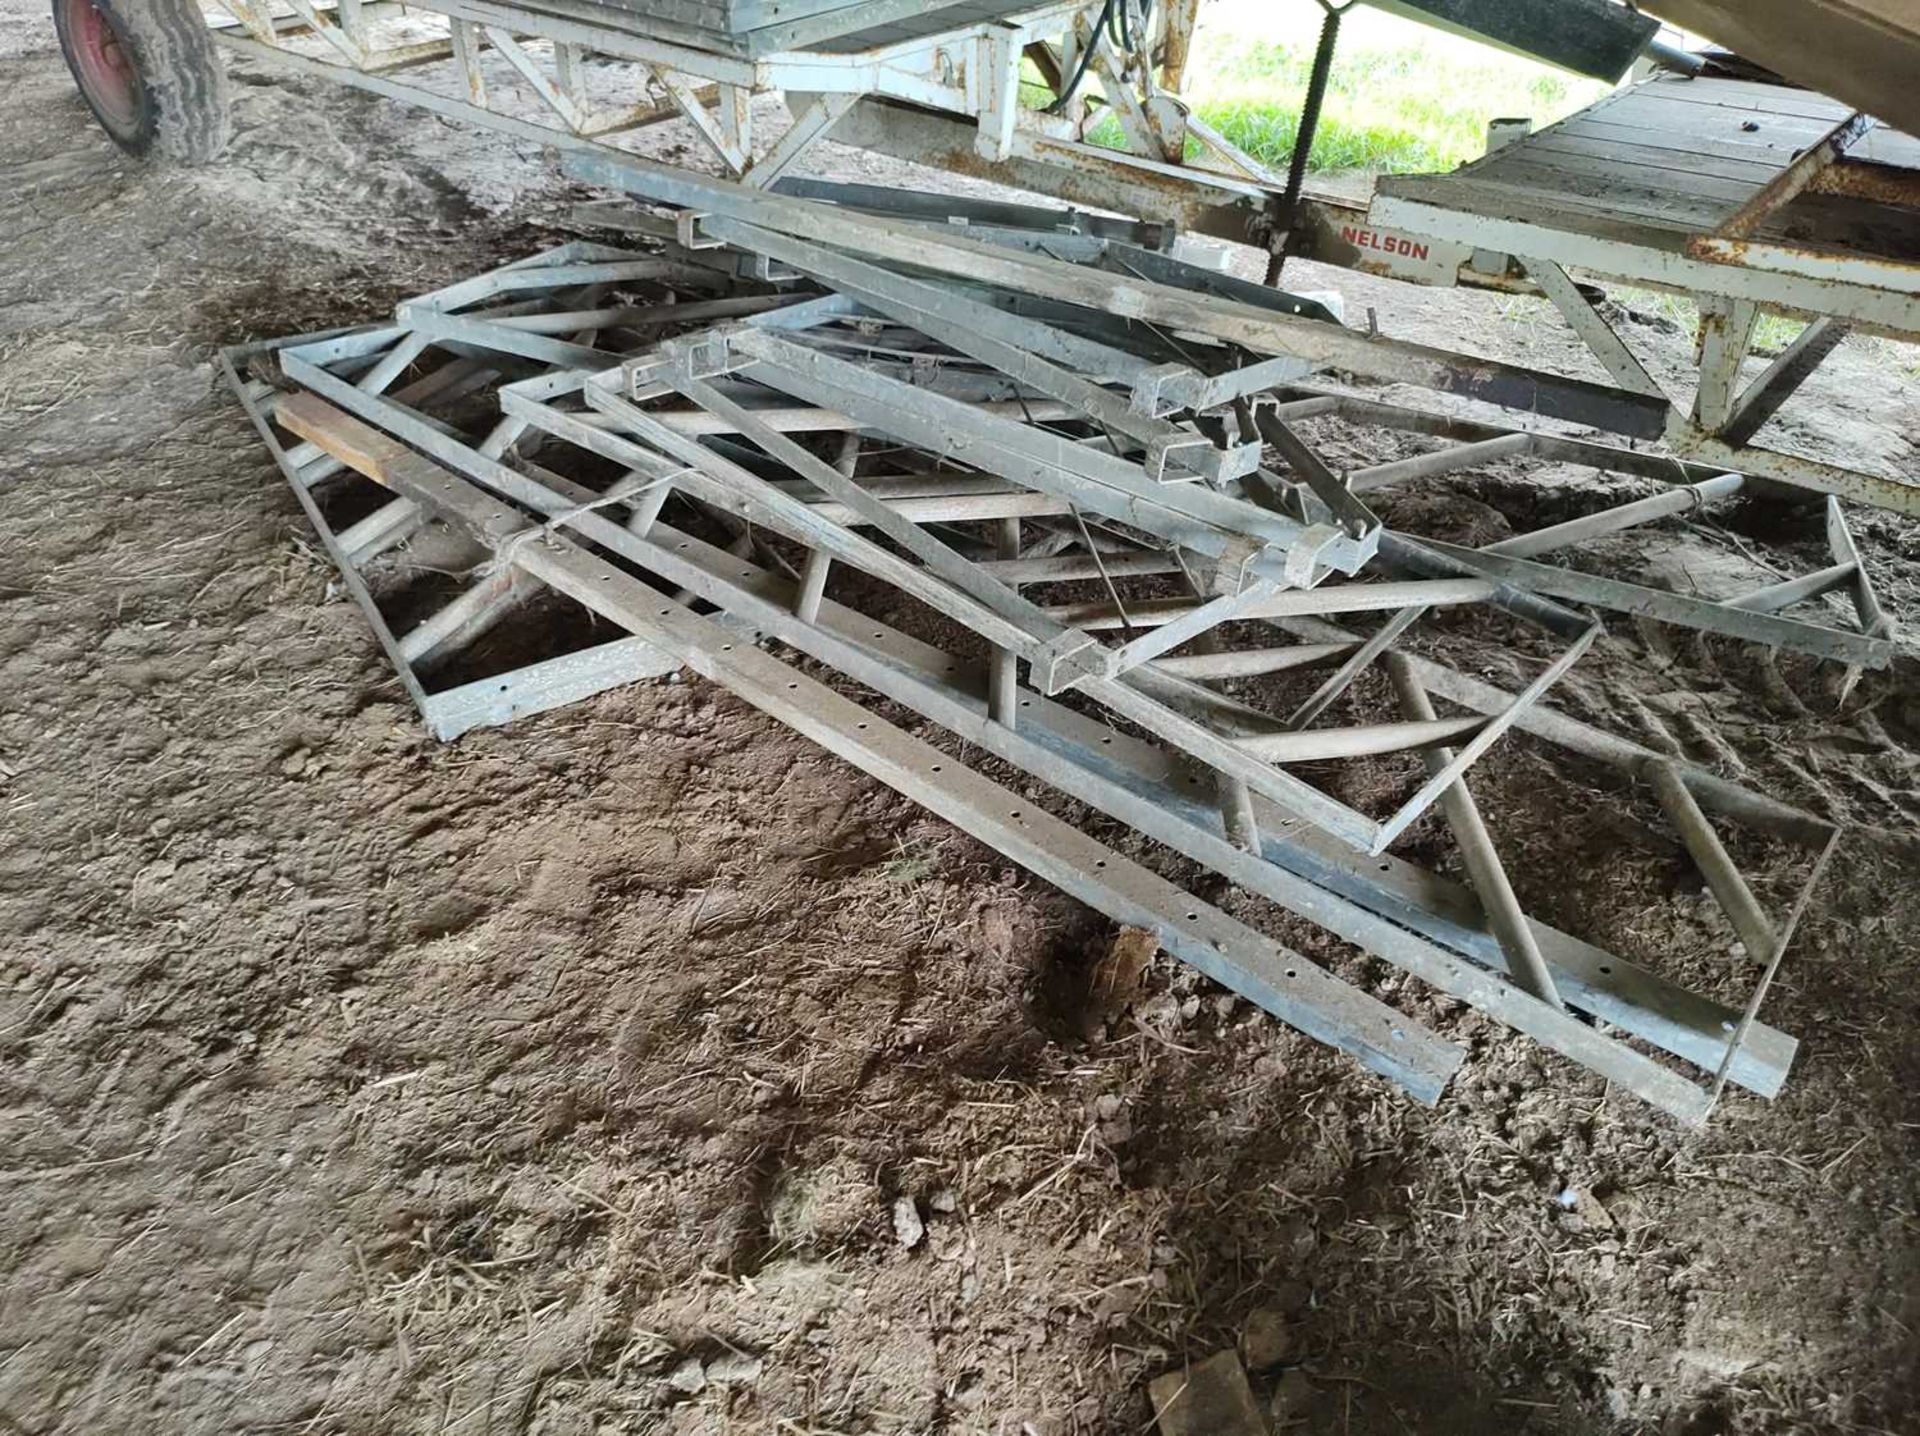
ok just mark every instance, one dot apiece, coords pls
pixel 101 63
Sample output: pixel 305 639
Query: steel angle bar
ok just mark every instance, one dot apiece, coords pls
pixel 1337 495
pixel 1202 619
pixel 506 339
pixel 1273 604
pixel 1723 617
pixel 1793 179
pixel 1397 552
pixel 1066 657
pixel 1223 529
pixel 936 208
pixel 1866 603
pixel 483 702
pixel 1591 327
pixel 1260 329
pixel 1242 959
pixel 474 610
pixel 949 581
pixel 1737 1042
pixel 1746 617
pixel 1726 331
pixel 1116 257
pixel 1059 657
pixel 1401 554
pixel 1896 494
pixel 1611 988
pixel 1470 752
pixel 811 124
pixel 1132 780
pixel 994 336
pixel 574 274
pixel 537 687
pixel 717 480
pixel 1172 387
pixel 379 376
pixel 1762 398
pixel 1356 663
pixel 1591 453
pixel 1024 349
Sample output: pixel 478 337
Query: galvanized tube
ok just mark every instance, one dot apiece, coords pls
pixel 1625 516
pixel 1742 804
pixel 1776 597
pixel 1247 662
pixel 813 584
pixel 1359 741
pixel 1440 461
pixel 1505 916
pixel 1723 877
pixel 1073 567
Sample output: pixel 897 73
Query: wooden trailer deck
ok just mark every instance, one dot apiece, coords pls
pixel 1747 197
pixel 1668 184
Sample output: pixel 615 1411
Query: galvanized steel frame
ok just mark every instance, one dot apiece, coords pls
pixel 922 678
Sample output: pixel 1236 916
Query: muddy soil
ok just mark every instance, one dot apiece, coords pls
pixel 641 1068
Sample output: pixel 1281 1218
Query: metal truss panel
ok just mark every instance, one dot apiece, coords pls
pixel 1277 979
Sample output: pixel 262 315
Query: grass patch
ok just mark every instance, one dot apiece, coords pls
pixel 1401 98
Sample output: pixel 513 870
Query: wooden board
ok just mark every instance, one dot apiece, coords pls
pixel 1662 161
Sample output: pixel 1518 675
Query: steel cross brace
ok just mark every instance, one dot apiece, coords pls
pixel 488 701
pixel 1755 618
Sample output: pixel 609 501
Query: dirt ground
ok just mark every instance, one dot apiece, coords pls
pixel 572 1077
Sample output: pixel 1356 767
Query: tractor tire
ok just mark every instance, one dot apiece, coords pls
pixel 148 71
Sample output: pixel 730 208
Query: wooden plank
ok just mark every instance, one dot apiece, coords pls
pixel 1657 113
pixel 1731 143
pixel 1681 157
pixel 1685 187
pixel 1558 214
pixel 1559 188
pixel 1747 95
